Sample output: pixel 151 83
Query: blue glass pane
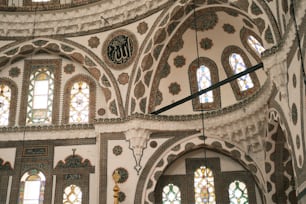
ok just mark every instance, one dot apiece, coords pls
pixel 204 81
pixel 255 44
pixel 245 82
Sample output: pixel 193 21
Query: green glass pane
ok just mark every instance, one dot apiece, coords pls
pixel 238 193
pixel 204 186
pixel 171 194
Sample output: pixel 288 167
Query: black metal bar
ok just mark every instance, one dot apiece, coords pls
pixel 216 85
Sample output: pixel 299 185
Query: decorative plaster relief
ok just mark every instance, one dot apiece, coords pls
pixel 138 139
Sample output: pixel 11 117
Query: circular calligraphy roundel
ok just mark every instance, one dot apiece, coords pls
pixel 119 49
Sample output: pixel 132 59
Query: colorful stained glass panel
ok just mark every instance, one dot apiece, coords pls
pixel 255 44
pixel 204 81
pixel 238 193
pixel 72 195
pixel 171 194
pixel 79 106
pixel 204 186
pixel 238 65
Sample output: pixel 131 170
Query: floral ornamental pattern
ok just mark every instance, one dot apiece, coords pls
pixel 121 196
pixel 94 42
pixel 206 21
pixel 101 112
pixel 142 28
pixel 69 68
pixel 238 193
pixel 117 150
pixel 204 186
pixel 124 175
pixel 72 195
pixel 171 194
pixel 73 161
pixel 120 49
pixel 174 88
pixel 206 43
pixel 179 61
pixel 229 28
pixel 14 72
pixel 79 104
pixel 123 78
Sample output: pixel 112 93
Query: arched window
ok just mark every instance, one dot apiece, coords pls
pixel 204 186
pixel 72 195
pixel 203 72
pixel 171 194
pixel 204 81
pixel 237 64
pixel 32 186
pixel 79 104
pixel 40 96
pixel 5 99
pixel 238 193
pixel 255 44
pixel 79 96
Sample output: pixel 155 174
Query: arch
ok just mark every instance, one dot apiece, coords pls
pixel 67 97
pixel 225 60
pixel 171 20
pixel 214 78
pixel 70 50
pixel 32 186
pixel 13 99
pixel 176 147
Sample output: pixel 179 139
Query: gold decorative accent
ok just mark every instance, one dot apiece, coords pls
pixel 116 189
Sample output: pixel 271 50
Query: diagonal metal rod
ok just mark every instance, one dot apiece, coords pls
pixel 216 85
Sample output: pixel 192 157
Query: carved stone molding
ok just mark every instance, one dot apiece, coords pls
pixel 276 66
pixel 101 15
pixel 138 139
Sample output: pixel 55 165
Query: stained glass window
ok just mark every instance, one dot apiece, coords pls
pixel 204 186
pixel 171 194
pixel 238 65
pixel 40 97
pixel 32 188
pixel 255 44
pixel 204 81
pixel 79 105
pixel 72 195
pixel 238 193
pixel 5 98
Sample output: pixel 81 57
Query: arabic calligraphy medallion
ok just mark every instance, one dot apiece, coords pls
pixel 119 49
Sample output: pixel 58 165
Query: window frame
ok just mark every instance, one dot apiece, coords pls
pixel 55 64
pixel 192 72
pixel 67 97
pixel 244 34
pixel 239 95
pixel 13 100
